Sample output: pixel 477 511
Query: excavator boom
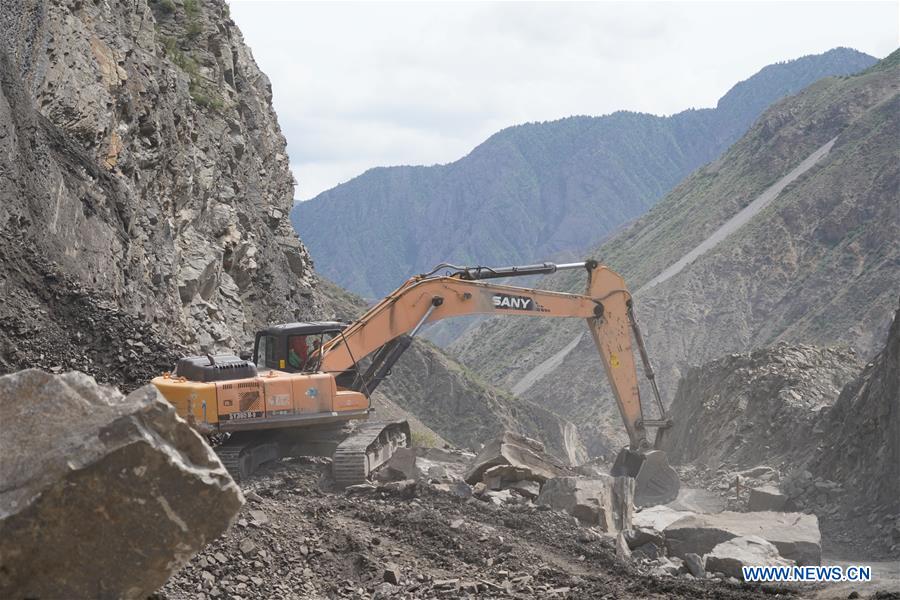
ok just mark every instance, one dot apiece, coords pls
pixel 606 307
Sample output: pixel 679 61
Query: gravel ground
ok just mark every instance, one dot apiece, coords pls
pixel 297 537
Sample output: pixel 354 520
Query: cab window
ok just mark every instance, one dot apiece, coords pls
pixel 265 356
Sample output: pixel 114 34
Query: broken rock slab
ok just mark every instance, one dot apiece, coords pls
pixel 604 501
pixel 519 451
pixel 728 557
pixel 103 495
pixel 502 476
pixel 402 465
pixel 657 518
pixel 766 497
pixel 796 535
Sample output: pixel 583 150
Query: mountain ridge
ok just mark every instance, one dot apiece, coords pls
pixel 814 266
pixel 531 191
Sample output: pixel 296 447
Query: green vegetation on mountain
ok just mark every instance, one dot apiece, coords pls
pixel 818 265
pixel 533 191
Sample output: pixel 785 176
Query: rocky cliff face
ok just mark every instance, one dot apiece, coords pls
pixel 761 407
pixel 818 265
pixel 141 158
pixel 534 191
pixel 862 452
pixel 816 414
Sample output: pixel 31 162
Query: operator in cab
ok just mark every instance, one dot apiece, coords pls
pixel 297 351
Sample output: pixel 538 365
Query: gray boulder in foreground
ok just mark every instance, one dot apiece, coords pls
pixel 104 496
pixel 728 557
pixel 603 501
pixel 796 535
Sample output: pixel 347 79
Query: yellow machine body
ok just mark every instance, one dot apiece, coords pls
pixel 270 400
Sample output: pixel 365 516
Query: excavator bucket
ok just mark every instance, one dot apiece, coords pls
pixel 655 481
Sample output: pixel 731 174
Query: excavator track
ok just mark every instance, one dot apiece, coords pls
pixel 242 459
pixel 371 445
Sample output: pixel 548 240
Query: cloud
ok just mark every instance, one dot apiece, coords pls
pixel 359 85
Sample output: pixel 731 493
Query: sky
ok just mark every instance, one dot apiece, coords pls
pixel 358 85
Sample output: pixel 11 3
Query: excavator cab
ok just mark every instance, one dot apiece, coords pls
pixel 294 347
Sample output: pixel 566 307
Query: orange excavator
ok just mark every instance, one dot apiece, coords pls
pixel 307 381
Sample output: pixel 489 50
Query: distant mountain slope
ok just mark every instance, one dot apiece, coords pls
pixel 820 264
pixel 536 190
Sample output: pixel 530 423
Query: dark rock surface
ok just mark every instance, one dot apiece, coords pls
pixel 142 158
pixel 766 498
pixel 103 495
pixel 862 455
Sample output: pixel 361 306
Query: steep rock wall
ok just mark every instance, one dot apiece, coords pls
pixel 142 158
pixel 761 407
pixel 863 433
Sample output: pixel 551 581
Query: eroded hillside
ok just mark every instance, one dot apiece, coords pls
pixel 817 265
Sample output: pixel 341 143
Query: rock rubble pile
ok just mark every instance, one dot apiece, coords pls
pixel 429 537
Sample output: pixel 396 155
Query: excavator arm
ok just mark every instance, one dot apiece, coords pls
pixel 385 330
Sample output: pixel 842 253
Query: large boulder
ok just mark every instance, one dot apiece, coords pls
pixel 728 557
pixel 104 496
pixel 648 524
pixel 518 451
pixel 402 465
pixel 766 497
pixel 604 501
pixel 796 535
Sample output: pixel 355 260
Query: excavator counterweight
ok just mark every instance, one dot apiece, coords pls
pixel 306 375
